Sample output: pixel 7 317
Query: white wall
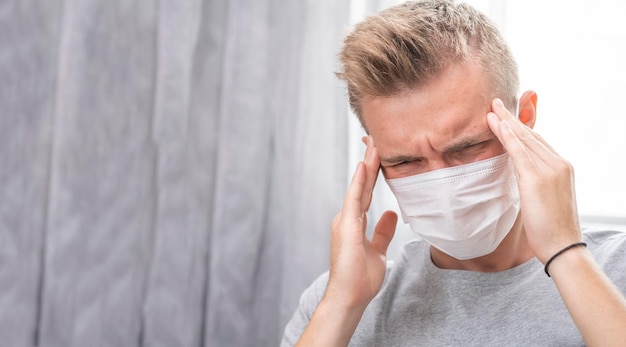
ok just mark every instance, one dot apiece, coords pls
pixel 573 53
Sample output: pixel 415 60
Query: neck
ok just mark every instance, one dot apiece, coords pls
pixel 511 252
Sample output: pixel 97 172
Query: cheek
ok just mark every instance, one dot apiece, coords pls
pixel 495 149
pixel 390 172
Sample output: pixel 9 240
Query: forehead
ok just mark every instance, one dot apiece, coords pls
pixel 446 108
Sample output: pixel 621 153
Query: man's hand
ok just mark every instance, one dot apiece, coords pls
pixel 546 185
pixel 549 214
pixel 357 265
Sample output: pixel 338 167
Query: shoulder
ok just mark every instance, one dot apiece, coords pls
pixel 605 242
pixel 309 300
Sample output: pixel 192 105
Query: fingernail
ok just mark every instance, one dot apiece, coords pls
pixel 499 102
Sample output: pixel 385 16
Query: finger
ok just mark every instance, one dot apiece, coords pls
pixel 544 143
pixel 529 138
pixel 384 231
pixel 504 114
pixel 372 163
pixel 521 129
pixel 498 104
pixel 523 159
pixel 352 201
pixel 494 124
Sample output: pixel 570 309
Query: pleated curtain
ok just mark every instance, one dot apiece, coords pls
pixel 168 169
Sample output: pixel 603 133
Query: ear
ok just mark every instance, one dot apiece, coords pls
pixel 528 108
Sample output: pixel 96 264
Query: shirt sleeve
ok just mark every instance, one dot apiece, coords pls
pixel 609 249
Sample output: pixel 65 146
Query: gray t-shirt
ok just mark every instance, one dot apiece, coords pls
pixel 422 305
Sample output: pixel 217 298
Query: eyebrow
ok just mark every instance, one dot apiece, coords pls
pixel 455 147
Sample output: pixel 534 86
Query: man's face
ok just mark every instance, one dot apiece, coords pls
pixel 438 125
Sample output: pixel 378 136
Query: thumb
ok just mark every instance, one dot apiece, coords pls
pixel 384 231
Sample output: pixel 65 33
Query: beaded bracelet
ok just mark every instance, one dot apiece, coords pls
pixel 561 252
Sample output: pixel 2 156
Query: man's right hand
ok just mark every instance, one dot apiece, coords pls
pixel 357 265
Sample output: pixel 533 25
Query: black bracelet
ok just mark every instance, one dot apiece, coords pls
pixel 561 252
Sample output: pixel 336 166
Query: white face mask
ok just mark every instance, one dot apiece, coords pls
pixel 464 211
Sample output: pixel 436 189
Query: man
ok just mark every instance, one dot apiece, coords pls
pixel 504 261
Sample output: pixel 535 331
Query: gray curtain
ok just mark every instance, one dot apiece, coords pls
pixel 168 169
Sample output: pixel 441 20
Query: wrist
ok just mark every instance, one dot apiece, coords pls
pixel 560 252
pixel 569 261
pixel 332 324
pixel 346 299
pixel 342 305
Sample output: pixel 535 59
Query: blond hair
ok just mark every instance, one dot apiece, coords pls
pixel 400 48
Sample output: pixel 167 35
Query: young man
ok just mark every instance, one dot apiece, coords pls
pixel 504 261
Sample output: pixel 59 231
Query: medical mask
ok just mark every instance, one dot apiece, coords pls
pixel 465 211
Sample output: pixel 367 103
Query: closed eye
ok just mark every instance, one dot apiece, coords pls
pixel 476 145
pixel 405 162
pixel 472 146
pixel 469 149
